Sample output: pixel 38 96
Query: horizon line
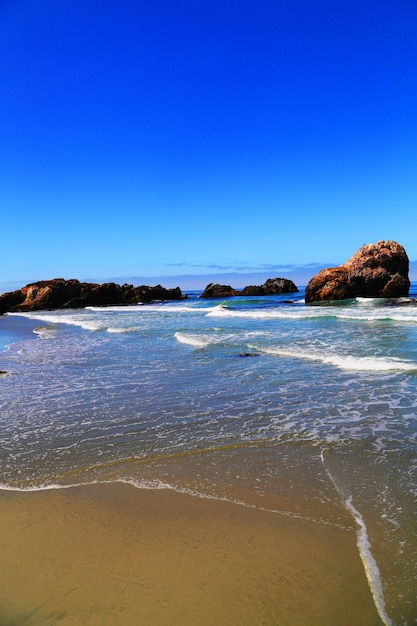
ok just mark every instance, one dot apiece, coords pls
pixel 300 275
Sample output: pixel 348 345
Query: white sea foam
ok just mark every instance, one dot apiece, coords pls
pixel 346 362
pixel 112 309
pixel 379 315
pixel 157 484
pixel 221 311
pixel 120 329
pixel 192 340
pixel 82 321
pixel 44 332
pixel 370 565
pixel 365 313
pixel 192 307
pixel 203 340
pixel 269 314
pixel 372 572
pixel 366 301
pixel 42 487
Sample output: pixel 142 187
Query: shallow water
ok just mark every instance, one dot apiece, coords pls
pixel 263 401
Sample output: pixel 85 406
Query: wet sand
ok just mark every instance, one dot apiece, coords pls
pixel 113 554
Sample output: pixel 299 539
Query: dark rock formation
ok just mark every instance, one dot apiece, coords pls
pixel 72 294
pixel 272 286
pixel 214 290
pixel 378 270
pixel 150 294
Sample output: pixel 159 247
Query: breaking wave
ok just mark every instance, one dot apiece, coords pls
pixel 346 362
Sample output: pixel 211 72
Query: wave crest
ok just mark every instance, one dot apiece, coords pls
pixel 346 362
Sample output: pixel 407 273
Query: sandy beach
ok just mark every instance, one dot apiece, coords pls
pixel 113 554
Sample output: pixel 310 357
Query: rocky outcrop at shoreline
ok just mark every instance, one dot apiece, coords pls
pixel 272 286
pixel 378 270
pixel 215 290
pixel 59 293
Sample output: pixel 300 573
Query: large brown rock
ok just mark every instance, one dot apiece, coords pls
pixel 71 294
pixel 378 270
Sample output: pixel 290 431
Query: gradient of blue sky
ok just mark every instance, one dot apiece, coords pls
pixel 155 137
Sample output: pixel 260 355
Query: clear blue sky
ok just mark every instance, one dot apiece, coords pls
pixel 169 137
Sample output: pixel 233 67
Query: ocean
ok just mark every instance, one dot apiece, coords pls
pixel 263 401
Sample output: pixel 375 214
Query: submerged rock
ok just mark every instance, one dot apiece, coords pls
pixel 378 270
pixel 59 293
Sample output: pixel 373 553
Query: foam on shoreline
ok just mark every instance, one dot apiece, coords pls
pixel 345 361
pixel 370 565
pixel 158 485
pixel 115 553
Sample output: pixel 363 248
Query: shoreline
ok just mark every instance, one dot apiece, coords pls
pixel 111 553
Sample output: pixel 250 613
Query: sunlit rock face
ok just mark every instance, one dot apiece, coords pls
pixel 59 293
pixel 376 270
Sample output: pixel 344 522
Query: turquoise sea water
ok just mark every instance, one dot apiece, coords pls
pixel 263 401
